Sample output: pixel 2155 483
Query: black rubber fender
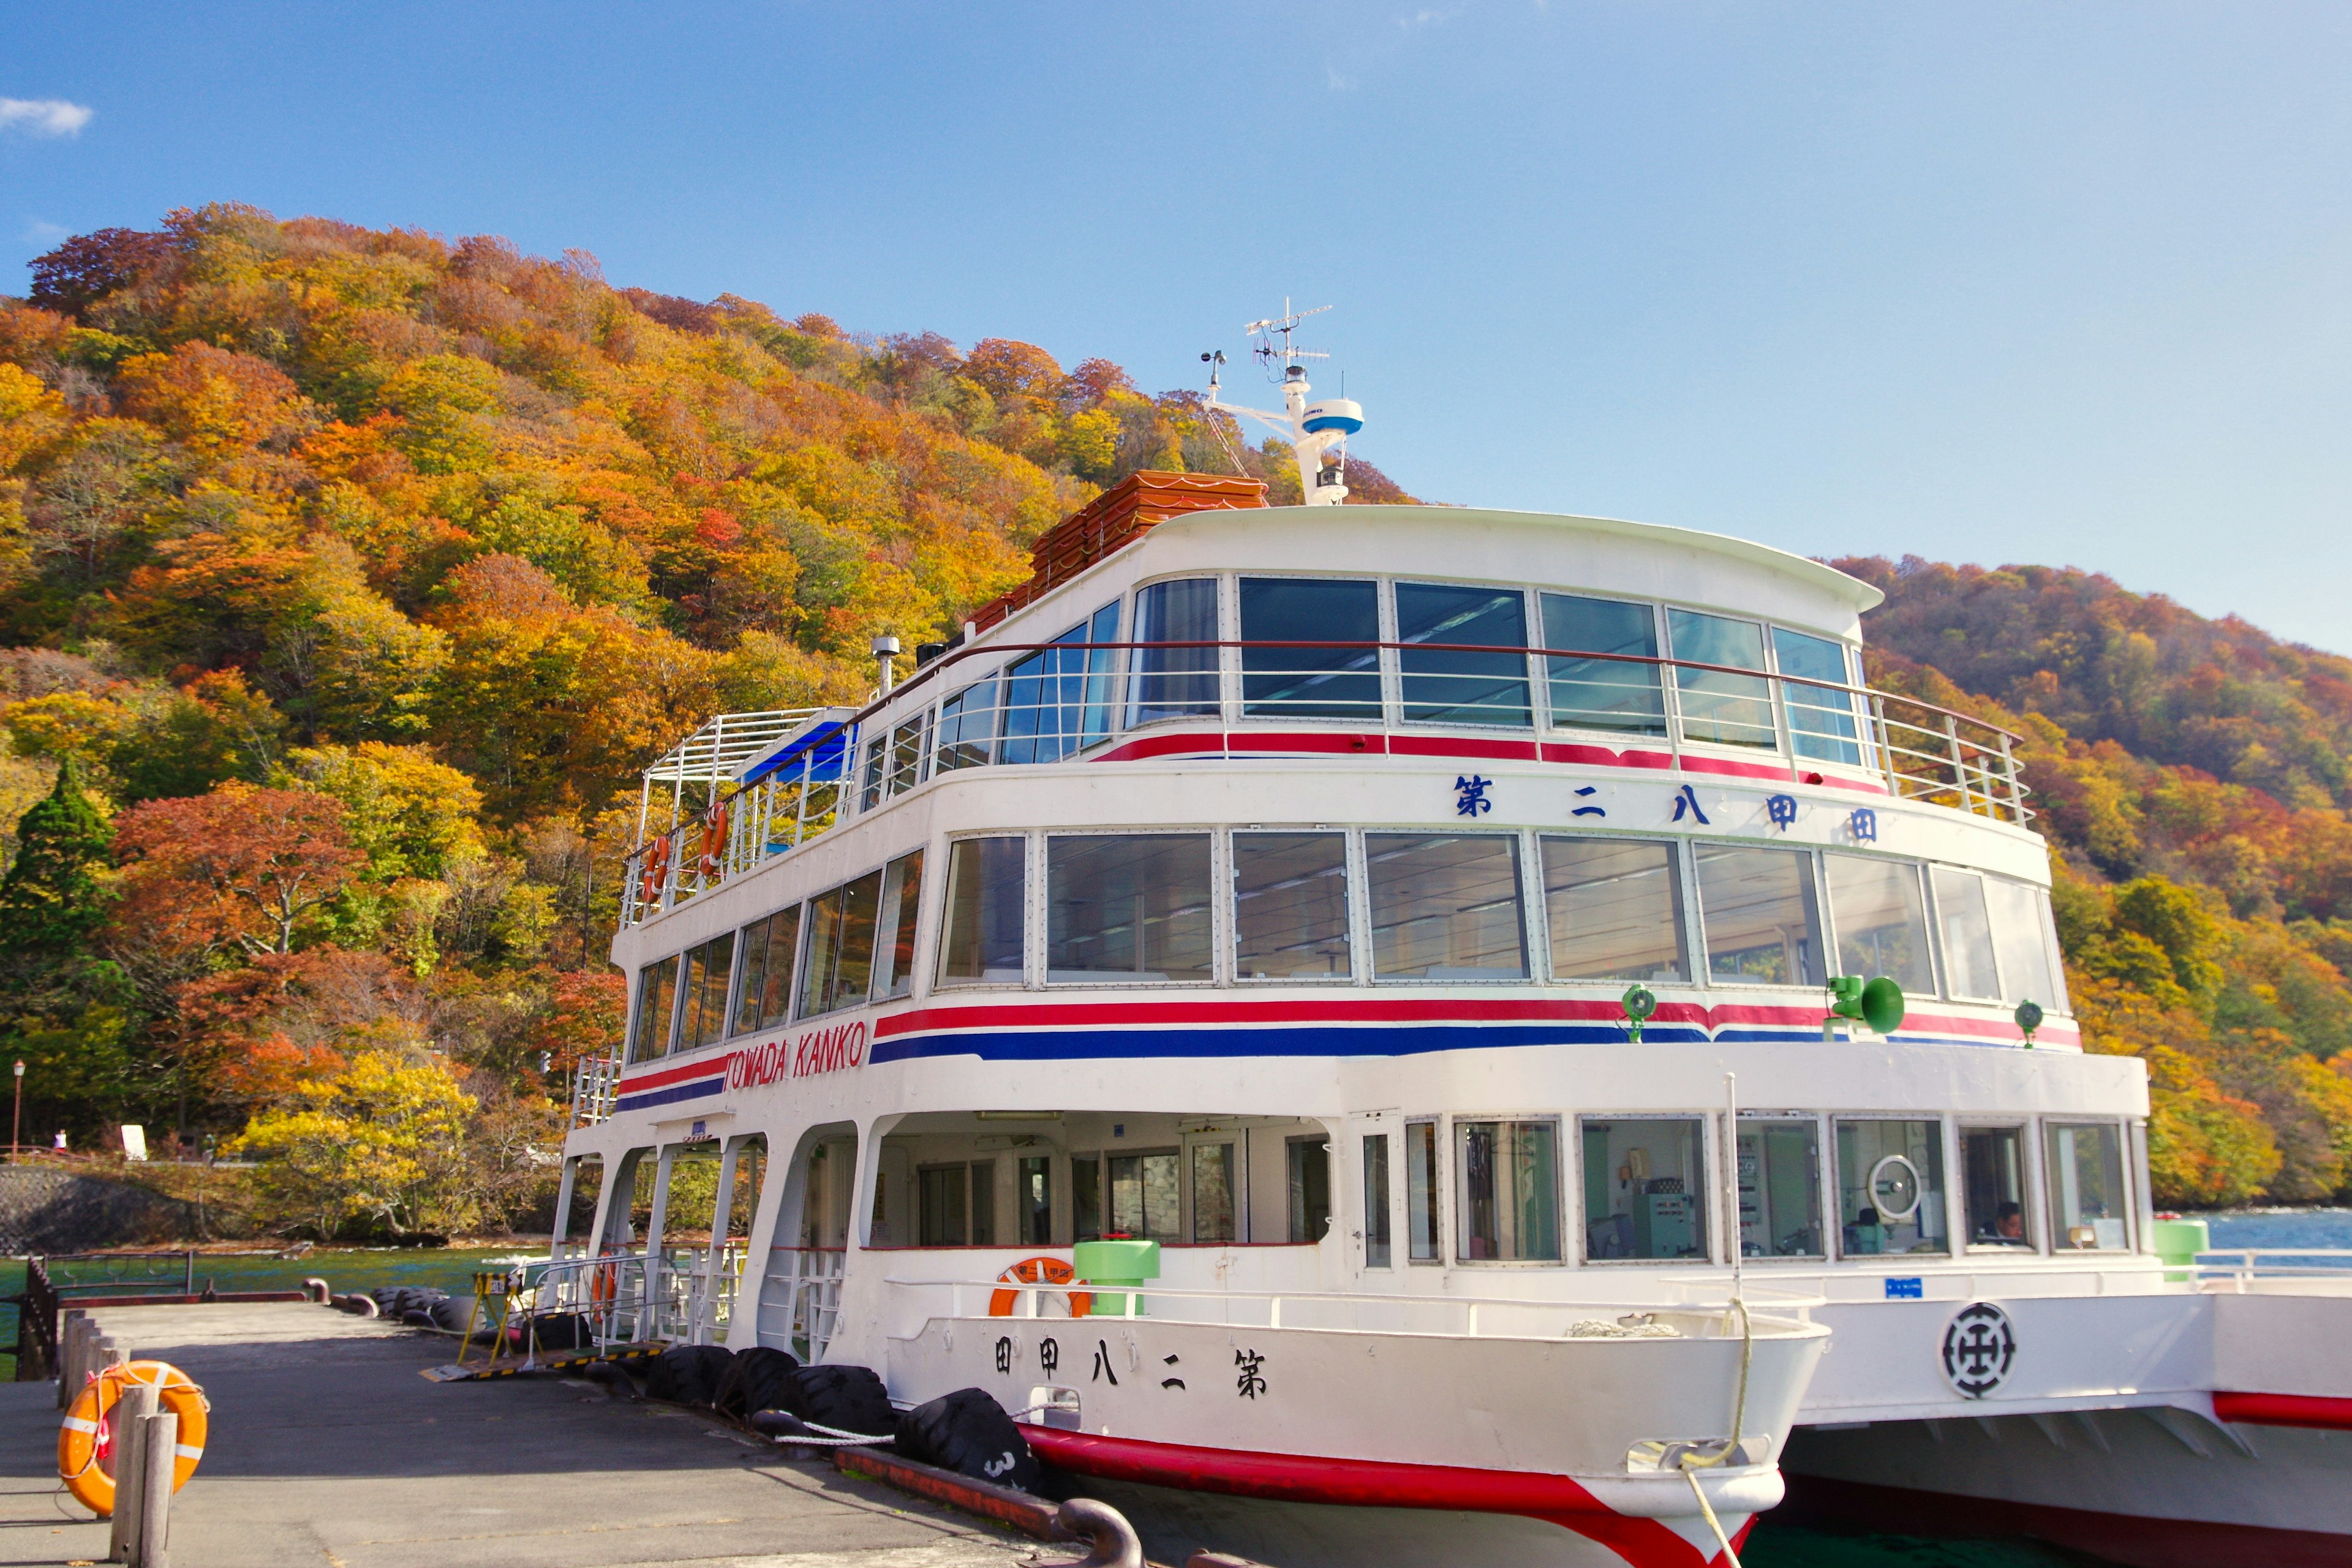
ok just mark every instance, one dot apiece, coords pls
pixel 968 1433
pixel 846 1397
pixel 754 1381
pixel 687 1375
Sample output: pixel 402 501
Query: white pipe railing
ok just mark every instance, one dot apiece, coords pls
pixel 2247 1267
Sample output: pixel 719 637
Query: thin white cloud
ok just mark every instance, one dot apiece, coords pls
pixel 42 232
pixel 43 116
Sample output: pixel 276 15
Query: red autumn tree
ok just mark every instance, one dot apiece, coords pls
pixel 237 871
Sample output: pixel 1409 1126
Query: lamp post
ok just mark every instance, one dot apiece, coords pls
pixel 16 1126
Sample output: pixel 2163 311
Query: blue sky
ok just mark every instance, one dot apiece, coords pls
pixel 1985 281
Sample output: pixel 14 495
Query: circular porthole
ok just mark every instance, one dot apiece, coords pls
pixel 1895 1188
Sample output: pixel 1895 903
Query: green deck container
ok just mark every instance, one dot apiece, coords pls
pixel 1101 1263
pixel 2177 1243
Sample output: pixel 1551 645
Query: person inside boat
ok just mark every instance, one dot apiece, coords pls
pixel 2008 1222
pixel 1866 1235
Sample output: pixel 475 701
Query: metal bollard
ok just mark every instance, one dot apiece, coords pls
pixel 160 1451
pixel 125 1421
pixel 1113 1539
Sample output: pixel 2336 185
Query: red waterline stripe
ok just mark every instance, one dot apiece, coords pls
pixel 2327 1415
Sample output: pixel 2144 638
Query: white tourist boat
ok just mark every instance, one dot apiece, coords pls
pixel 1419 923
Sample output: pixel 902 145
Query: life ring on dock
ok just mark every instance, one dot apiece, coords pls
pixel 1039 1271
pixel 86 1438
pixel 604 1284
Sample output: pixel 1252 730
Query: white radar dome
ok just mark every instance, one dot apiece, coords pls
pixel 1341 414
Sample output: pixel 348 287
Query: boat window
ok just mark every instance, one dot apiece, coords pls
pixel 1615 910
pixel 1308 1172
pixel 1820 721
pixel 1968 935
pixel 1376 1201
pixel 1445 907
pixel 1311 682
pixel 2086 1185
pixel 901 904
pixel 1882 920
pixel 1044 695
pixel 878 762
pixel 702 1016
pixel 939 1197
pixel 656 1005
pixel 2020 935
pixel 1508 1203
pixel 1467 687
pixel 907 754
pixel 1993 1169
pixel 1290 906
pixel 1085 1196
pixel 1645 1188
pixel 983 1203
pixel 1172 682
pixel 841 926
pixel 1757 907
pixel 1780 1188
pixel 1213 1187
pixel 1128 907
pixel 1603 693
pixel 764 998
pixel 966 729
pixel 1033 1211
pixel 1424 1229
pixel 983 940
pixel 1716 706
pixel 1143 1196
pixel 1102 680
pixel 1890 1187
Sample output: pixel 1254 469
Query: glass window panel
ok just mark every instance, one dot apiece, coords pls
pixel 2086 1186
pixel 1311 682
pixel 939 1205
pixel 1376 1201
pixel 656 1005
pixel 877 763
pixel 1133 908
pixel 1891 1188
pixel 1102 681
pixel 1726 709
pixel 764 994
pixel 1213 1192
pixel 1615 910
pixel 1421 1192
pixel 841 945
pixel 2020 935
pixel 1035 1209
pixel 1085 1196
pixel 1290 906
pixel 1821 722
pixel 1968 935
pixel 901 906
pixel 1758 912
pixel 907 754
pixel 1444 686
pixel 1170 682
pixel 967 731
pixel 984 923
pixel 1645 1188
pixel 1310 1184
pixel 1445 907
pixel 1045 697
pixel 1143 1196
pixel 702 1013
pixel 1602 693
pixel 1779 1188
pixel 1882 920
pixel 1508 1204
pixel 1993 1169
pixel 983 1203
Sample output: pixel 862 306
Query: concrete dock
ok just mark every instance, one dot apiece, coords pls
pixel 329 1450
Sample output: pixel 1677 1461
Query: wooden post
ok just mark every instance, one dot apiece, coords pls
pixel 160 1452
pixel 71 1337
pixel 125 1420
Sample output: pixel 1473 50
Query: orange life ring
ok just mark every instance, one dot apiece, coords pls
pixel 86 1438
pixel 603 1282
pixel 1039 1271
pixel 712 850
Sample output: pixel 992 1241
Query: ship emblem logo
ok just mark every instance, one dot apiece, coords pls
pixel 1979 1348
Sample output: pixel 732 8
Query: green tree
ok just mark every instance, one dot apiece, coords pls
pixel 55 895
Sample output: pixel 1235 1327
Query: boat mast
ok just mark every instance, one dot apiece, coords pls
pixel 1317 432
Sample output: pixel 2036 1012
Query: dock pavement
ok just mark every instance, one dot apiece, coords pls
pixel 329 1449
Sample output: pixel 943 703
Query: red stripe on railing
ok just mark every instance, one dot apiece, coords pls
pixel 2320 1411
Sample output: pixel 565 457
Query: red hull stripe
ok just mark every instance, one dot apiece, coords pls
pixel 1367 1483
pixel 2284 1410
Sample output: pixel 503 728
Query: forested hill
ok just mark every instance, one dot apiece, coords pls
pixel 347 577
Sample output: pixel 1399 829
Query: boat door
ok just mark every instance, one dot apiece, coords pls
pixel 1370 1171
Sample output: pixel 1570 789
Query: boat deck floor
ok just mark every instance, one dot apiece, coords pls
pixel 327 1450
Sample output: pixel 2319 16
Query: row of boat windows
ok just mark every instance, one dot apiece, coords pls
pixel 1334 906
pixel 1068 697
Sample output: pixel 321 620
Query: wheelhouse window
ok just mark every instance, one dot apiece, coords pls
pixel 764 998
pixel 2020 935
pixel 1781 1188
pixel 1993 1170
pixel 1613 908
pixel 1820 719
pixel 1044 699
pixel 966 735
pixel 1311 682
pixel 1882 920
pixel 702 1016
pixel 1144 1198
pixel 1762 925
pixel 872 771
pixel 2086 1186
pixel 1719 705
pixel 1968 971
pixel 1132 908
pixel 1174 682
pixel 1460 685
pixel 1508 1204
pixel 906 765
pixel 983 941
pixel 1611 694
pixel 1424 1230
pixel 1445 907
pixel 842 926
pixel 895 922
pixel 1890 1187
pixel 1645 1188
pixel 1290 906
pixel 656 1002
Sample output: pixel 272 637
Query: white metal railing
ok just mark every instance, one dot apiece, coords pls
pixel 800 1299
pixel 607 1292
pixel 2248 1265
pixel 596 1082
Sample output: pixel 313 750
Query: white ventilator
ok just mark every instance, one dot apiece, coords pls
pixel 1317 431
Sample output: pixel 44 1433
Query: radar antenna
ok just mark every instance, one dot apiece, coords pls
pixel 1316 432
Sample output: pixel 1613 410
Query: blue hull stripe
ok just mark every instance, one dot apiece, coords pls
pixel 1077 1045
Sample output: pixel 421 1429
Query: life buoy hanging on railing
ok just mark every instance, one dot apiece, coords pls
pixel 712 851
pixel 86 1438
pixel 655 873
pixel 1039 1271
